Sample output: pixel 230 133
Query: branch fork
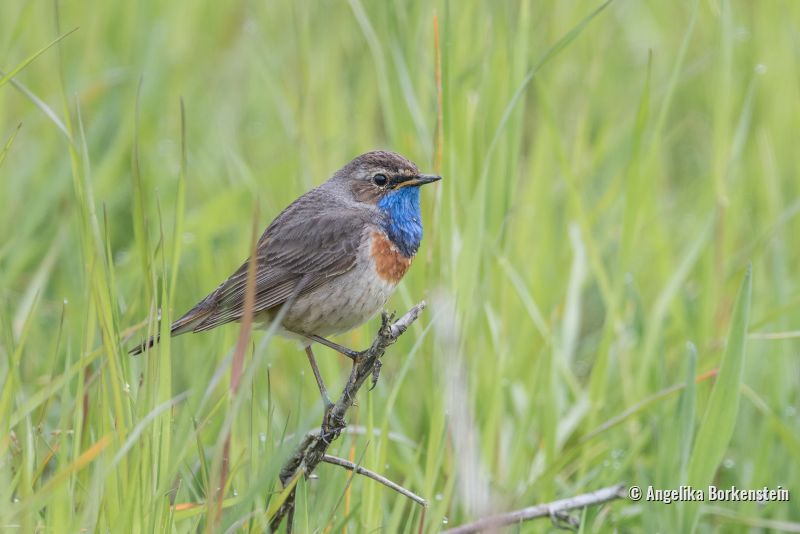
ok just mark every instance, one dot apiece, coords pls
pixel 314 445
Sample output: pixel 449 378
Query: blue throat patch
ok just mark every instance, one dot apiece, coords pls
pixel 403 222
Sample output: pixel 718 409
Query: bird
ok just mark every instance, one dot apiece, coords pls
pixel 329 261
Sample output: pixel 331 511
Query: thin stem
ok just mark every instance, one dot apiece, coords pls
pixel 350 466
pixel 552 510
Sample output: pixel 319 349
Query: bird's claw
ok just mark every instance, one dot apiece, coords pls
pixel 376 373
pixel 386 320
pixel 332 425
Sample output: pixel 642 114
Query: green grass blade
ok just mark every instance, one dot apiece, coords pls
pixel 7 146
pixel 43 107
pixel 720 415
pixel 30 59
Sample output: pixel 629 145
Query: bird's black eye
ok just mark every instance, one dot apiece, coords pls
pixel 380 180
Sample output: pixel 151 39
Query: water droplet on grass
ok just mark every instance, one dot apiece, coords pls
pixel 728 463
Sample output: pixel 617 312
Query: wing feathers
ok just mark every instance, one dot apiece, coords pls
pixel 315 239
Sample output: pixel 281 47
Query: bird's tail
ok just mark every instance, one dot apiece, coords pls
pixel 138 349
pixel 187 323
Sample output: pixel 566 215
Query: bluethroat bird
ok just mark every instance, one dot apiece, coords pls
pixel 329 261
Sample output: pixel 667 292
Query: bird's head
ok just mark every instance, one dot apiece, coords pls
pixel 377 175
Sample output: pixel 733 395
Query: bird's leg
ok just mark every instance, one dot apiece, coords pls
pixel 350 353
pixel 331 425
pixel 318 377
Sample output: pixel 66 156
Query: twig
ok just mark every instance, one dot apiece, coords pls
pixel 347 464
pixel 554 509
pixel 314 445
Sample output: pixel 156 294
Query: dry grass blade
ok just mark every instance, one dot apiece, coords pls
pixel 237 363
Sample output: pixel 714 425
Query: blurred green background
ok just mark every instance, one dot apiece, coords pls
pixel 608 179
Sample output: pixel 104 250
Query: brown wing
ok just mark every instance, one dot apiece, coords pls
pixel 313 240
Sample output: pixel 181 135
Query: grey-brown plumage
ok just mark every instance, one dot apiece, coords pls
pixel 334 255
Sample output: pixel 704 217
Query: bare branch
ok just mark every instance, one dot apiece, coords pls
pixel 554 509
pixel 350 466
pixel 311 450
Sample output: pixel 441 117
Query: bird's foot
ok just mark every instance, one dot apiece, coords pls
pixel 376 373
pixel 332 425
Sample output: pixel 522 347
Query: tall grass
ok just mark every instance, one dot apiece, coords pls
pixel 610 174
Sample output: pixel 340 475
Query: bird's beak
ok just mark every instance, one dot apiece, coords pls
pixel 420 179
